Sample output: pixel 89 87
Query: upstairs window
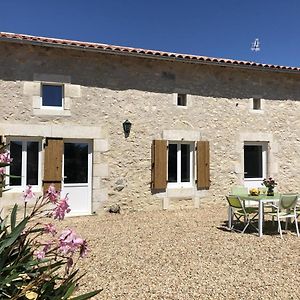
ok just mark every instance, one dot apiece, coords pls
pixel 181 100
pixel 52 96
pixel 256 104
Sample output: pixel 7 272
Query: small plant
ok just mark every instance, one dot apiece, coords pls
pixel 270 185
pixel 270 182
pixel 35 261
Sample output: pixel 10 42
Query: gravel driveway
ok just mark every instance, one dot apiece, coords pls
pixel 186 254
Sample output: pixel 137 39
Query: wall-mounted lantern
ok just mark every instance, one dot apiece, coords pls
pixel 126 127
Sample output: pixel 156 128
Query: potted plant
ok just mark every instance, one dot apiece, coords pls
pixel 269 184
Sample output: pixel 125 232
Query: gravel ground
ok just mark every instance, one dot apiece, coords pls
pixel 185 254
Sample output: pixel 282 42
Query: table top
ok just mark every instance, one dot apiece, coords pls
pixel 260 197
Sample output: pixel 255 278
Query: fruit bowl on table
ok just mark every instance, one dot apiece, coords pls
pixel 254 192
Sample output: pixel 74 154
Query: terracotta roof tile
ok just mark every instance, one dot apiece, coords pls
pixel 44 41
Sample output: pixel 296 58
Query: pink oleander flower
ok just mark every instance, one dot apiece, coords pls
pixel 50 228
pixel 62 207
pixel 28 193
pixel 5 157
pixel 68 235
pixel 2 171
pixel 40 254
pixel 53 194
pixel 70 242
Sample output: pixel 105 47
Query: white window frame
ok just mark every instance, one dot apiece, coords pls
pixel 62 100
pixel 24 141
pixel 180 184
pixel 255 182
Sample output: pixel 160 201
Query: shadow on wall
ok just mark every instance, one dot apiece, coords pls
pixel 20 62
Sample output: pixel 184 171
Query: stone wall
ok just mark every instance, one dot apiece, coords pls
pixel 114 88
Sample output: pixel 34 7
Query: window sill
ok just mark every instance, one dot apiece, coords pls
pixel 52 112
pixel 256 111
pixel 180 192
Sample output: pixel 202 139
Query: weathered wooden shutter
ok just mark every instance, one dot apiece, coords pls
pixel 203 178
pixel 159 165
pixel 53 163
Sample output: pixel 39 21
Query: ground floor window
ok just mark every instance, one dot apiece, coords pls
pixel 180 164
pixel 255 163
pixel 26 162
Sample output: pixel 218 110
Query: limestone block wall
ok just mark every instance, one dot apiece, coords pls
pixel 115 88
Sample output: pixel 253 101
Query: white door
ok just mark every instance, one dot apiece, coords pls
pixel 255 163
pixel 77 173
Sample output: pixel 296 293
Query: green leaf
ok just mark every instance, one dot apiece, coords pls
pixel 12 176
pixel 87 295
pixel 2 164
pixel 13 217
pixel 70 291
pixel 12 237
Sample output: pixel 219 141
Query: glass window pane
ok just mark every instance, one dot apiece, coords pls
pixel 76 163
pixel 16 164
pixel 52 95
pixel 32 163
pixel 185 163
pixel 172 163
pixel 252 161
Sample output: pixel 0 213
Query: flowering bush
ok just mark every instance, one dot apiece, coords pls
pixel 35 261
pixel 4 162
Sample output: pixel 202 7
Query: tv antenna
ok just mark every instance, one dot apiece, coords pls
pixel 255 46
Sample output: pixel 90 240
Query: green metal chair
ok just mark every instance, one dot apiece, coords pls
pixel 239 190
pixel 239 211
pixel 286 209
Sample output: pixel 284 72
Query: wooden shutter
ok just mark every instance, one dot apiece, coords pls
pixel 53 163
pixel 159 165
pixel 203 178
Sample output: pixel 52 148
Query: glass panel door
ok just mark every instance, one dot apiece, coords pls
pixel 75 163
pixel 77 175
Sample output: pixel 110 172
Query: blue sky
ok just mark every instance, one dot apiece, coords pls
pixel 217 28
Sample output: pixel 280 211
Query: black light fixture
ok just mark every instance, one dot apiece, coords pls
pixel 126 127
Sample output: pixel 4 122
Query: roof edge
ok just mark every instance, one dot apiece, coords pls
pixel 139 52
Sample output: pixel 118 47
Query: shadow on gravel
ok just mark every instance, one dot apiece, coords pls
pixel 270 228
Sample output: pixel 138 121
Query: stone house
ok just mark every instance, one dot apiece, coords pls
pixel 198 125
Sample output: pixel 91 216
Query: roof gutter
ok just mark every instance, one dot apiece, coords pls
pixel 151 56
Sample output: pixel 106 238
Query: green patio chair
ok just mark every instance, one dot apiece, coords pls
pixel 285 209
pixel 243 214
pixel 239 190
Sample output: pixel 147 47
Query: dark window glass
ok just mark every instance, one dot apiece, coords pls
pixel 172 163
pixel 52 95
pixel 32 163
pixel 252 161
pixel 256 103
pixel 16 164
pixel 181 100
pixel 185 163
pixel 76 163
